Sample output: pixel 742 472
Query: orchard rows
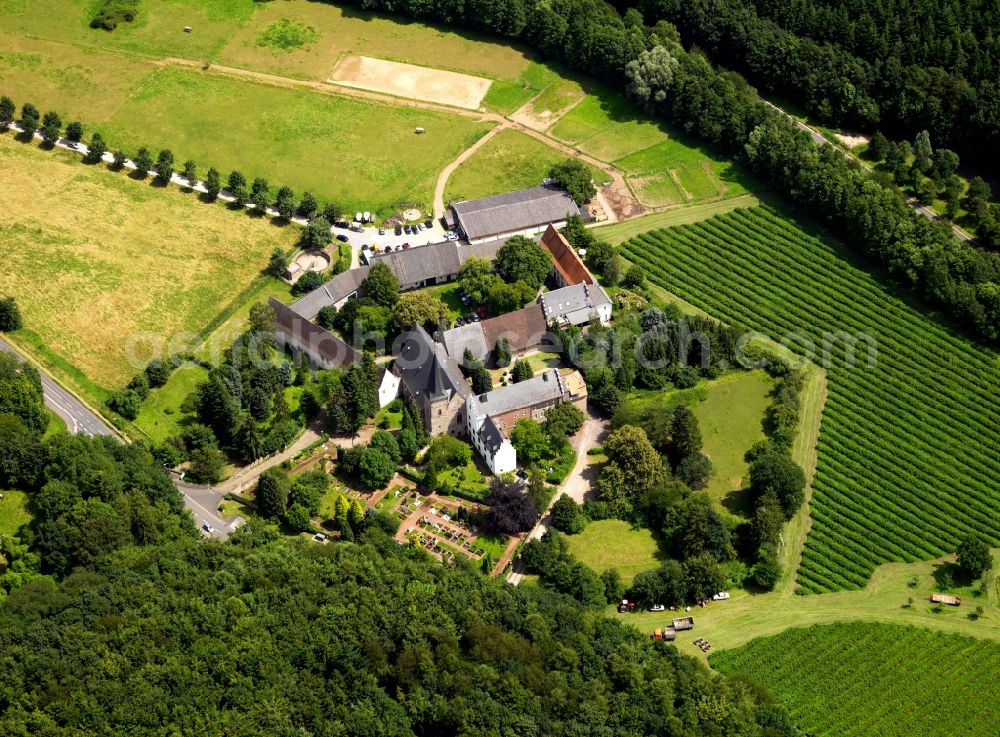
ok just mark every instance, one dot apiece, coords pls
pixel 875 680
pixel 907 451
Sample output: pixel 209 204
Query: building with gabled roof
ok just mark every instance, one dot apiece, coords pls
pixel 576 304
pixel 434 381
pixel 299 334
pixel 491 416
pixel 525 330
pixel 567 266
pixel 524 212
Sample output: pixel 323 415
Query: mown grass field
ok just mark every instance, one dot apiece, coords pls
pixel 510 160
pixel 730 419
pixel 862 680
pixel 664 167
pixel 886 599
pixel 341 30
pixel 619 232
pixel 906 457
pixel 95 259
pixel 613 543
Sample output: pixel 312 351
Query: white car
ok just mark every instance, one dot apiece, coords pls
pixel 208 528
pixel 319 537
pixel 657 608
pixel 721 596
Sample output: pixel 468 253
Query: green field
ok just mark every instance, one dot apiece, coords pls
pixel 507 95
pixel 663 166
pixel 99 262
pixel 554 101
pixel 863 680
pixel 730 418
pixel 13 512
pixel 613 543
pixel 510 160
pixel 907 459
pixel 618 232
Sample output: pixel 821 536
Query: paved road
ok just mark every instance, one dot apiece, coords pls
pixel 822 140
pixel 577 484
pixel 79 418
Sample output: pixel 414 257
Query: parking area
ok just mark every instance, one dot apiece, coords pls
pixel 376 240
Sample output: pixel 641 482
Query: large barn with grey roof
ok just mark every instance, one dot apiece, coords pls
pixel 524 212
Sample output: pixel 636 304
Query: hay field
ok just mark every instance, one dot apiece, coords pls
pixel 95 258
pixel 408 80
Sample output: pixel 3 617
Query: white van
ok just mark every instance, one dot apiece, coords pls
pixel 368 218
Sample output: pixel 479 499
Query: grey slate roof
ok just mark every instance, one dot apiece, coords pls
pixel 331 292
pixel 469 336
pixel 423 262
pixel 425 369
pixel 544 388
pixel 491 435
pixel 315 338
pixel 569 300
pixel 525 208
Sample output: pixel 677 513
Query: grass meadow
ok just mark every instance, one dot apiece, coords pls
pixel 614 543
pixel 510 160
pixel 13 512
pixel 95 258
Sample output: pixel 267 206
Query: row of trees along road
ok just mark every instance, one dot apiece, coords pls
pixel 643 54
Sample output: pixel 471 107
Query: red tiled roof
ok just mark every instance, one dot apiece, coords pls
pixel 565 259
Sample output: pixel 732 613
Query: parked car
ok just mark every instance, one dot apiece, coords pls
pixel 522 474
pixel 381 231
pixel 319 537
pixel 399 229
pixel 342 238
pixel 406 229
pixel 405 246
pixel 420 227
pixel 399 248
pixel 657 608
pixel 721 596
pixel 459 322
pixel 388 249
pixel 626 606
pixel 429 223
pixel 208 528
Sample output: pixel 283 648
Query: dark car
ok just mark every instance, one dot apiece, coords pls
pixel 399 229
pixel 429 223
pixel 388 249
pixel 342 238
pixel 406 229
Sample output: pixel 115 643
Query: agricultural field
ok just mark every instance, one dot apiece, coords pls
pixel 619 232
pixel 859 680
pixel 906 456
pixel 553 102
pixel 614 543
pixel 96 260
pixel 509 160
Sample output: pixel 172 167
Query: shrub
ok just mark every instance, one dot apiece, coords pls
pixel 113 12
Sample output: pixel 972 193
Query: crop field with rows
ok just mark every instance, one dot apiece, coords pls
pixel 907 452
pixel 878 680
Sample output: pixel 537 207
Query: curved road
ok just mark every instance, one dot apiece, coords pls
pixel 79 418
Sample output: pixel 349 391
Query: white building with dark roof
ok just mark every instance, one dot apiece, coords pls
pixel 524 212
pixel 576 304
pixel 491 416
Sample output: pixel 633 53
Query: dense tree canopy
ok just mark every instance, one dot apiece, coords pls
pixel 522 259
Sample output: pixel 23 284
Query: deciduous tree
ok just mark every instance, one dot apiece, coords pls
pixel 381 285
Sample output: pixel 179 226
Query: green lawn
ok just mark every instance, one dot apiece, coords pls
pixel 510 160
pixel 468 480
pixel 730 418
pixel 56 424
pixel 507 95
pixel 13 512
pixel 161 415
pixel 663 166
pixel 448 293
pixel 360 153
pixel 555 101
pixel 612 543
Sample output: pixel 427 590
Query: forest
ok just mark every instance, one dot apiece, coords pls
pixel 899 67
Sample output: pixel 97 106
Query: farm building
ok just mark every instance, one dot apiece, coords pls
pixel 568 268
pixel 576 304
pixel 296 333
pixel 524 212
pixel 524 329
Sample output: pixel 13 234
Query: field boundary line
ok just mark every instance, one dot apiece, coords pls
pixel 805 453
